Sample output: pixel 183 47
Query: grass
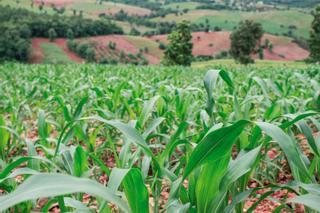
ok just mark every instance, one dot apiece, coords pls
pixel 53 54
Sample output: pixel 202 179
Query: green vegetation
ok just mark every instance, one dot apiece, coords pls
pixel 52 34
pixel 142 43
pixel 245 41
pixel 274 21
pixel 259 64
pixel 314 42
pixel 18 26
pixel 179 49
pixel 85 50
pixel 109 54
pixel 129 135
pixel 54 54
pixel 29 5
pixel 295 3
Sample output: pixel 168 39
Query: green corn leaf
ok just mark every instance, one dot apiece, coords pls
pixel 288 146
pixel 298 118
pixel 79 109
pixel 80 162
pixel 18 172
pixel 127 130
pixel 130 133
pixel 17 162
pixel 307 131
pixel 77 205
pixel 136 191
pixel 146 111
pixel 214 146
pixel 51 185
pixel 176 207
pixel 210 81
pixel 309 200
pixel 33 164
pixel 42 125
pixel 155 123
pixel 116 177
pixel 100 163
pixel 4 137
pixel 207 193
pixel 239 167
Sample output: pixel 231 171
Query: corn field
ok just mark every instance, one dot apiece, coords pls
pixel 95 138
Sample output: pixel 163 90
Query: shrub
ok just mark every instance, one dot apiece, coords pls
pixel 112 45
pixel 52 34
pixel 162 46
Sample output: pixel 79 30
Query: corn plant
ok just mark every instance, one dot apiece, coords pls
pixel 156 139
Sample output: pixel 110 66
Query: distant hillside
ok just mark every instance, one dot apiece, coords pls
pixel 295 3
pixel 137 49
pixel 292 3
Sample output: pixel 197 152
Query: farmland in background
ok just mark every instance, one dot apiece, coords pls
pixel 56 52
pixel 205 44
pixel 273 22
pixel 286 28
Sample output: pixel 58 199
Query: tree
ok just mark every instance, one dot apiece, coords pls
pixel 162 45
pixel 112 45
pixel 179 50
pixel 134 32
pixel 90 54
pixel 270 47
pixel 266 43
pixel 245 41
pixel 70 34
pixel 314 41
pixel 52 34
pixel 261 53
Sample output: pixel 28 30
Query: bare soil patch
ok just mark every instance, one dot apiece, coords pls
pixel 212 43
pixel 122 44
pixel 37 54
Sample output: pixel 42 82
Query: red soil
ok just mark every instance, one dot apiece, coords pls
pixel 214 42
pixel 38 55
pixel 121 44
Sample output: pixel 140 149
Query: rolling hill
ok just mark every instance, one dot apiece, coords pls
pixel 205 44
pixel 284 26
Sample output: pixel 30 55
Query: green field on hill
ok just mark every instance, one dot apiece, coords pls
pixel 273 22
pixel 53 54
